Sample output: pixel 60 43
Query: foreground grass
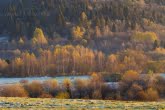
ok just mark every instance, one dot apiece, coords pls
pixel 75 104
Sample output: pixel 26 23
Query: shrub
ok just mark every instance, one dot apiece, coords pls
pixel 160 85
pixel 3 65
pixel 13 91
pixel 50 86
pixel 141 95
pixel 148 95
pixel 62 95
pixel 132 92
pixel 81 86
pixel 97 94
pixel 152 95
pixel 130 85
pixel 45 95
pixel 67 85
pixel 34 89
pixel 105 91
pixel 130 76
pixel 95 81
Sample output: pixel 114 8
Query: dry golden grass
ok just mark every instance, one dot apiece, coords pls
pixel 75 104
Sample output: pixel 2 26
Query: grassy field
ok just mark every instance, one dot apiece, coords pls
pixel 75 104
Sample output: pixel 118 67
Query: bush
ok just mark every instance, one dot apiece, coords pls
pixel 105 91
pixel 34 89
pixel 141 95
pixel 132 92
pixel 67 85
pixel 63 95
pixel 81 87
pixel 160 85
pixel 13 91
pixel 3 65
pixel 97 94
pixel 130 76
pixel 50 86
pixel 45 95
pixel 148 95
pixel 152 95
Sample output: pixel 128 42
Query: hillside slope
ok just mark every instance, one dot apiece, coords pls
pixel 54 16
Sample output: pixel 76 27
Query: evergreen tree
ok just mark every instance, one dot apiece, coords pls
pixel 156 44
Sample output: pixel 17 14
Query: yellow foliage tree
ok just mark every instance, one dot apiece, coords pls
pixel 95 77
pixel 18 61
pixel 3 64
pixel 78 32
pixel 17 65
pixel 130 75
pixel 144 37
pixel 83 16
pixel 38 37
pixel 112 64
pixel 21 41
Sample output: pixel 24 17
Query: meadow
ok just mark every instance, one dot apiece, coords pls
pixel 75 104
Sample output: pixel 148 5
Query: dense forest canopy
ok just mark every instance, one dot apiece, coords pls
pixel 21 17
pixel 82 36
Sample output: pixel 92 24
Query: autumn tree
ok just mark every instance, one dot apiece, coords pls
pixel 129 85
pixel 17 66
pixel 78 32
pixel 100 61
pixel 112 65
pixel 21 41
pixel 30 63
pixel 156 44
pixel 38 37
pixel 95 86
pixel 61 56
pixel 76 61
pixel 46 61
pixel 3 65
pixel 144 37
pixel 130 76
pixel 98 32
pixel 84 22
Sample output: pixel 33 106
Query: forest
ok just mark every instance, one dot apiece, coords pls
pixel 117 40
pixel 81 36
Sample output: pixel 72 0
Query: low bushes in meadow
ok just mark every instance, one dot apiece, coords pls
pixel 13 91
pixel 131 87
